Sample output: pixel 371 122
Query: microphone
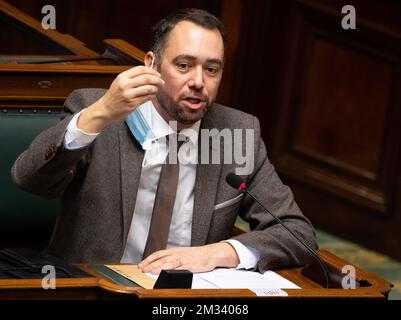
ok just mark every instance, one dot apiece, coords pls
pixel 238 183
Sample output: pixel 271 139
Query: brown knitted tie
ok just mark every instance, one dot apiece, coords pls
pixel 164 203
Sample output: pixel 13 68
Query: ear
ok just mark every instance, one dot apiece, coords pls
pixel 148 59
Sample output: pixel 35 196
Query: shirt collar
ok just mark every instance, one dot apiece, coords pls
pixel 160 128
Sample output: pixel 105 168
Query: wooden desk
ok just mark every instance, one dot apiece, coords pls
pixel 99 287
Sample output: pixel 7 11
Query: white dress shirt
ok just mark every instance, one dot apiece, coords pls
pixel 155 154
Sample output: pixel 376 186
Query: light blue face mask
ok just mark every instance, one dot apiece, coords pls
pixel 138 125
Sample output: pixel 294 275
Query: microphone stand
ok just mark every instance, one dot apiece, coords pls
pixel 308 248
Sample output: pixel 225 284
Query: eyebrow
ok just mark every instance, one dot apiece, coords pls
pixel 192 59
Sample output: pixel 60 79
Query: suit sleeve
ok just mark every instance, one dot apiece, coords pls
pixel 46 167
pixel 277 247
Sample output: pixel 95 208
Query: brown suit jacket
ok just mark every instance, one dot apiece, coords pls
pixel 97 186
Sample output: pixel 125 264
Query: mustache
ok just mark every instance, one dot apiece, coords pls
pixel 193 95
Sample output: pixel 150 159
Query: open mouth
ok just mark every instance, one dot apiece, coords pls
pixel 193 102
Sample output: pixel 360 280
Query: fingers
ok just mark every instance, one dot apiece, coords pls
pixel 146 90
pixel 139 70
pixel 129 90
pixel 143 99
pixel 139 86
pixel 154 265
pixel 158 266
pixel 147 264
pixel 144 79
pixel 193 259
pixel 151 258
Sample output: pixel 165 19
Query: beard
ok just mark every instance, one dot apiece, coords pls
pixel 182 115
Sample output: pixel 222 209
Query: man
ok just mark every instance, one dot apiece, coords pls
pixel 105 159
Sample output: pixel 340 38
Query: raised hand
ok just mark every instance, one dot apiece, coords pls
pixel 129 90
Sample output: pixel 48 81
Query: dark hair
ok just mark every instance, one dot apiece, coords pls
pixel 162 29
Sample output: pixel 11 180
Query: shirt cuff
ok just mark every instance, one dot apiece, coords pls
pixel 76 138
pixel 248 257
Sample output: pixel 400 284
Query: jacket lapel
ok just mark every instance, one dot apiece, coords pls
pixel 206 184
pixel 131 157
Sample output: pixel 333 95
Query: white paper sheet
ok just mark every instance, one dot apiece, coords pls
pixel 236 279
pixel 224 278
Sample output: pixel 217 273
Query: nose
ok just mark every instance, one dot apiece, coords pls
pixel 196 81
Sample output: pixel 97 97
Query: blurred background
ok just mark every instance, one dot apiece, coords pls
pixel 328 99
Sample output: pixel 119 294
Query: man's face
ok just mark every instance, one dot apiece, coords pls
pixel 192 67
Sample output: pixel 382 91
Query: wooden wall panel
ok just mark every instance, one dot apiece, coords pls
pixel 331 130
pixel 338 138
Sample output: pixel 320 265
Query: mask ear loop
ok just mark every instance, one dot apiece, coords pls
pixel 153 61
